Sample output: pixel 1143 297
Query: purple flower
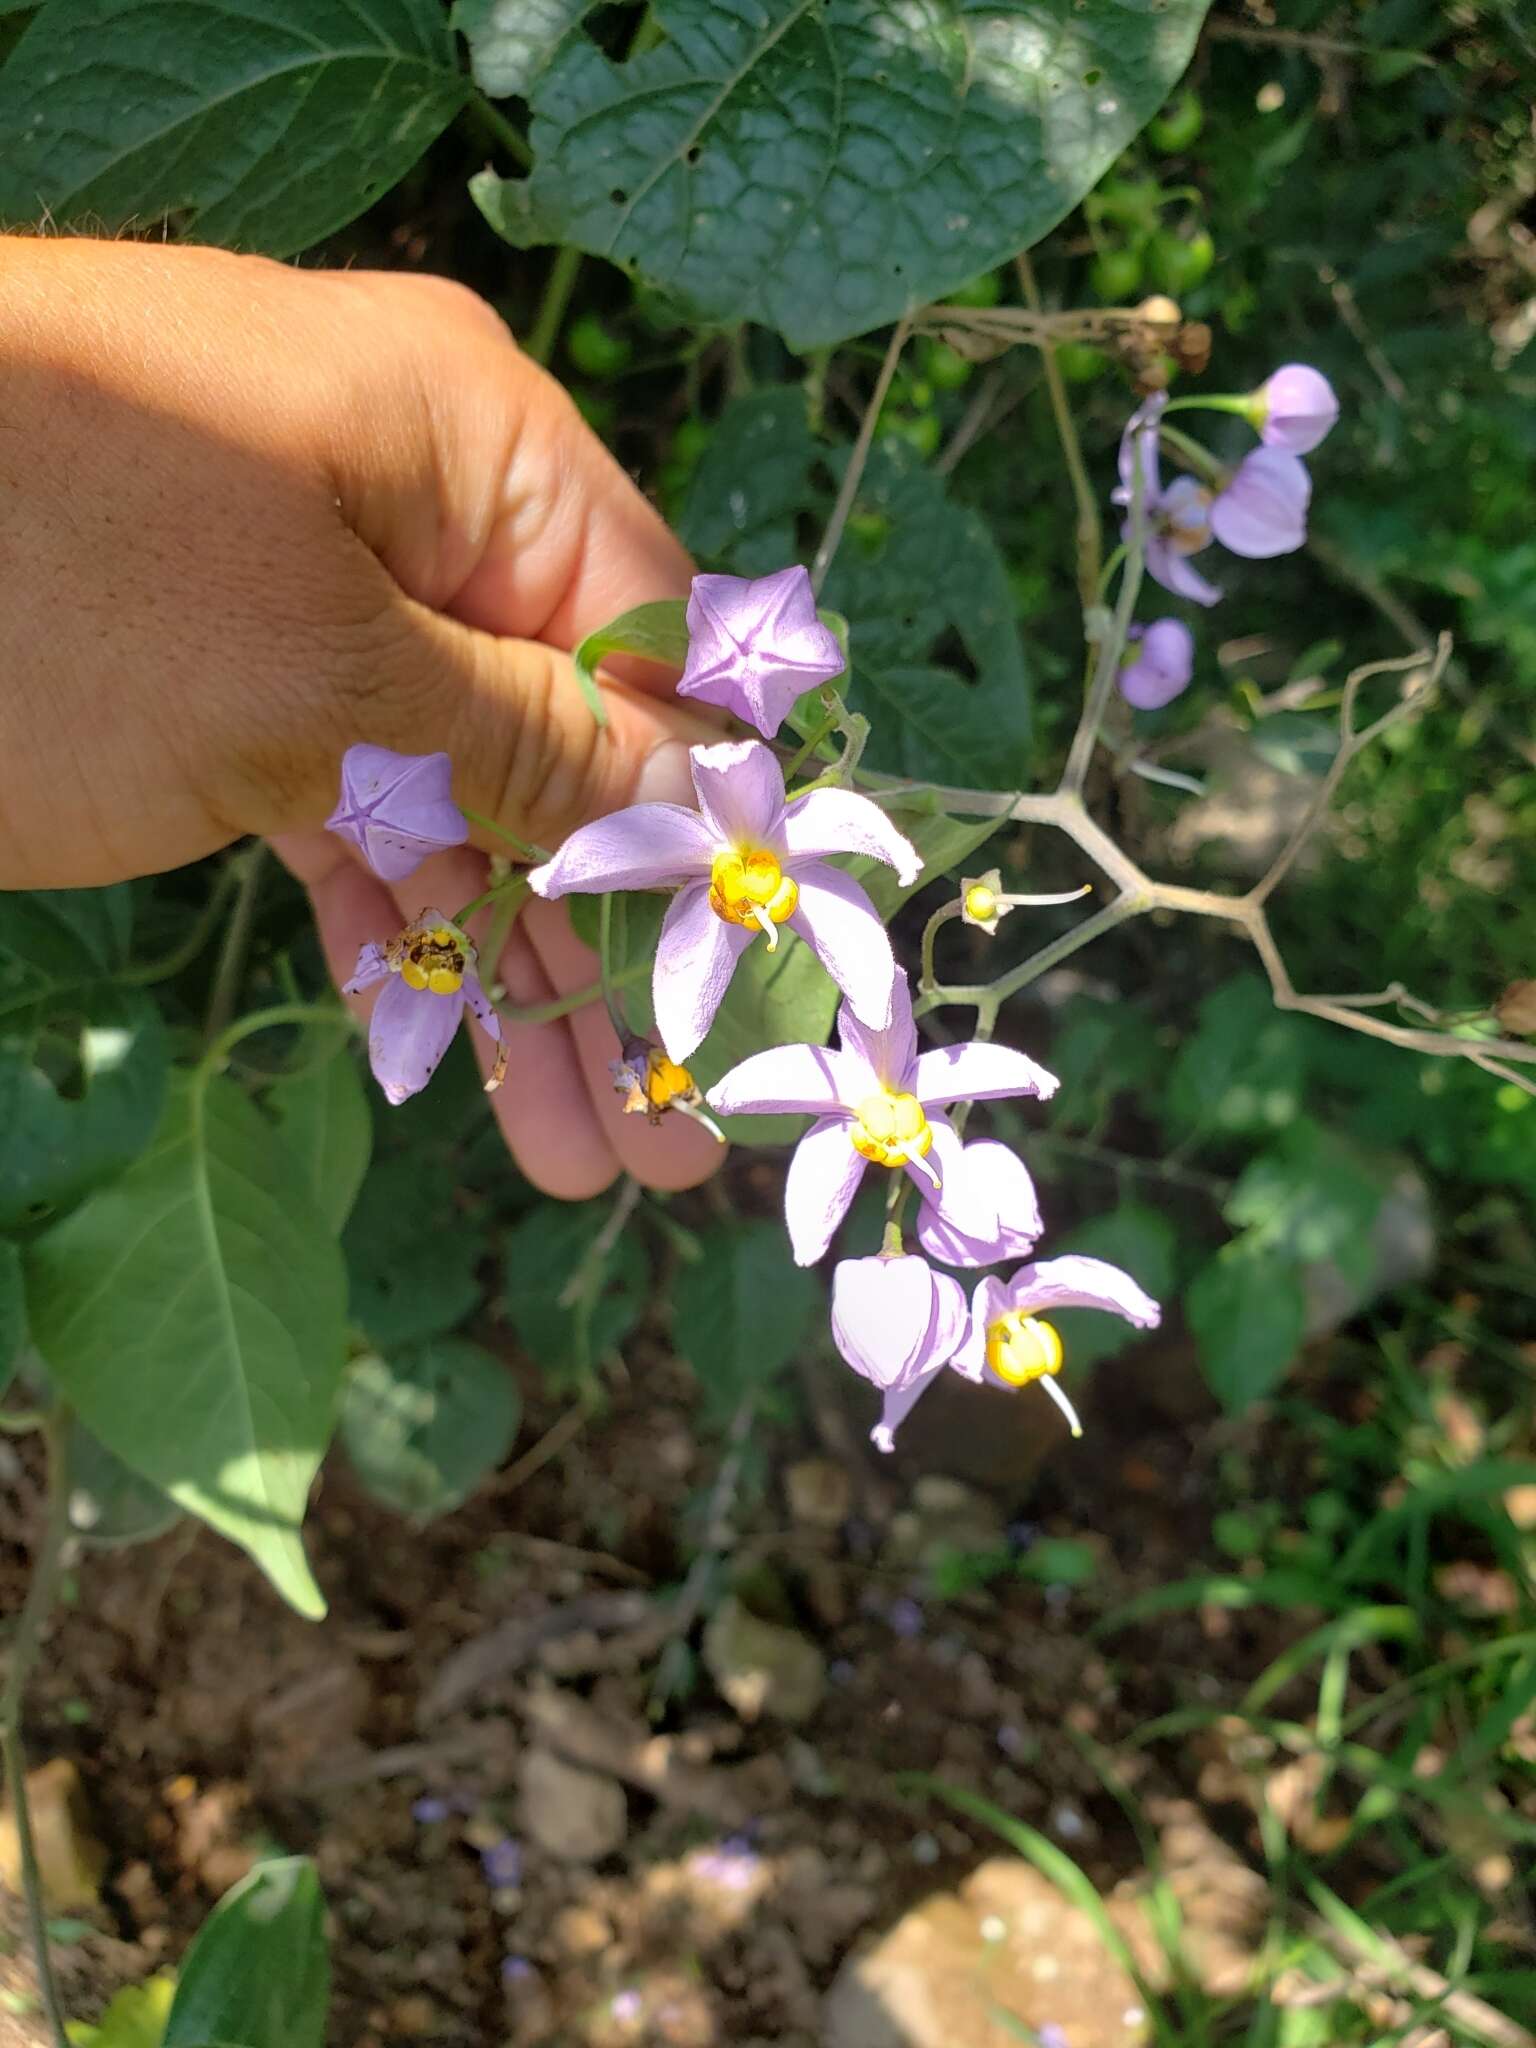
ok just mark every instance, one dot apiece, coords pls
pixel 626 2006
pixel 396 808
pixel 756 644
pixel 1295 409
pixel 1010 1344
pixel 426 1812
pixel 733 1864
pixel 430 974
pixel 502 1864
pixel 876 1100
pixel 516 1970
pixel 898 1323
pixel 1176 521
pixel 1009 1195
pixel 1262 509
pixel 747 862
pixel 1158 665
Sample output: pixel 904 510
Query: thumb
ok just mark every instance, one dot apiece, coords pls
pixel 526 748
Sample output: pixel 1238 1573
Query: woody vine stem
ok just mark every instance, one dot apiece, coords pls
pixel 1137 893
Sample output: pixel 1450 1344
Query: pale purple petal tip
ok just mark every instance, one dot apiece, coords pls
pixel 696 956
pixel 845 932
pixel 645 847
pixel 1263 510
pixel 823 1177
pixel 1074 1281
pixel 1007 1193
pixel 790 1080
pixel 408 1034
pixel 898 1323
pixel 839 821
pixel 979 1072
pixel 371 967
pixel 740 787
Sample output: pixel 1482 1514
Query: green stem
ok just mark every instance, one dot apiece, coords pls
pixel 824 731
pixel 1190 452
pixel 1224 402
pixel 515 886
pixel 230 971
pixel 611 1002
pixel 927 978
pixel 849 488
pixel 525 847
pixel 1090 541
pixel 558 287
pixel 148 972
pixel 1111 646
pixel 1106 574
pixel 562 1006
pixel 22 1421
pixel 23 1655
pixel 512 139
pixel 266 1020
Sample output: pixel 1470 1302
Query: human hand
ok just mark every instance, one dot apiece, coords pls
pixel 251 514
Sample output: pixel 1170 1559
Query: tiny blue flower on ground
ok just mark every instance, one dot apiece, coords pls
pixel 396 808
pixel 427 1812
pixel 502 1864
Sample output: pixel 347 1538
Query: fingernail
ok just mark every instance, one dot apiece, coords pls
pixel 664 777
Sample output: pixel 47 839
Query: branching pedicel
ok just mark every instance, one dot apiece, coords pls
pixel 749 866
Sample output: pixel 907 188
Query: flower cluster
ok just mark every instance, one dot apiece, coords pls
pixel 1257 509
pixel 752 864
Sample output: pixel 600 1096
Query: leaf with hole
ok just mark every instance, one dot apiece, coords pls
pixel 82 1062
pixel 192 1313
pixel 821 166
pixel 264 127
pixel 423 1427
pixel 258 1971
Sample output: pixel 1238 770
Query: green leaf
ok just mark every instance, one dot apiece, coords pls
pixel 633 935
pixel 135 2018
pixel 269 125
pixel 411 1253
pixel 510 41
pixel 424 1427
pixel 109 1504
pixel 752 483
pixel 1310 1196
pixel 193 1314
pixel 327 1123
pixel 257 1971
pixel 82 1062
pixel 742 1312
pixel 545 1250
pixel 1241 1074
pixel 824 165
pixel 13 1311
pixel 1247 1309
pixel 654 631
pixel 931 581
pixel 782 998
pixel 1141 1240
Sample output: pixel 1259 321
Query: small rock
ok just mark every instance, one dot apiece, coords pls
pixel 71 1861
pixel 579 1816
pixel 818 1492
pixel 761 1668
pixel 1005 1953
pixel 580 1931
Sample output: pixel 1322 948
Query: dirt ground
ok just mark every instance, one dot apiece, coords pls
pixel 746 1857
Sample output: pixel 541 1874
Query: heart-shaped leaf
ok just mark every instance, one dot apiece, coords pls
pixel 824 165
pixel 193 1313
pixel 273 124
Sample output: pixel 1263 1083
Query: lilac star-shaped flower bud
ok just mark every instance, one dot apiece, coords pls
pixel 755 644
pixel 429 976
pixel 1295 409
pixel 1011 1344
pixel 898 1323
pixel 396 808
pixel 1158 664
pixel 1262 510
pixel 748 862
pixel 877 1101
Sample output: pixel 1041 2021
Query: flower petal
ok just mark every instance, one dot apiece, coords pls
pixel 408 1034
pixel 1010 1194
pixel 696 956
pixel 480 1007
pixel 823 1178
pixel 839 821
pixel 963 1198
pixel 978 1072
pixel 641 848
pixel 1077 1282
pixel 989 1299
pixel 843 929
pixel 1175 572
pixel 371 966
pixel 882 1316
pixel 740 788
pixel 885 1058
pixel 1263 510
pixel 785 1080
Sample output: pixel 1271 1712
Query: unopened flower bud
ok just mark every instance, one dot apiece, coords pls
pixel 1294 409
